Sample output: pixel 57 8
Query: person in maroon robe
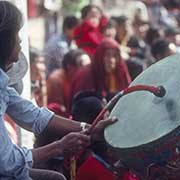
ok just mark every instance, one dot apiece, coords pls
pixel 107 74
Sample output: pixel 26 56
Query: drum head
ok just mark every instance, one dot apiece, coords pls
pixel 142 117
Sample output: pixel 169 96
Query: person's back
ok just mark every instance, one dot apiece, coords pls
pixel 59 81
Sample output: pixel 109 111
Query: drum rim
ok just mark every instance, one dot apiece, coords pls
pixel 152 146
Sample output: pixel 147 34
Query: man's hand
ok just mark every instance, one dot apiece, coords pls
pixel 98 131
pixel 72 144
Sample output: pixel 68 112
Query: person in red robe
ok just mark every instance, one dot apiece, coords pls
pixel 88 35
pixel 107 74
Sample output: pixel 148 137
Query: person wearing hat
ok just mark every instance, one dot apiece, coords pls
pixel 15 161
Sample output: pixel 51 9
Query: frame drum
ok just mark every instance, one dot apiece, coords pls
pixel 148 127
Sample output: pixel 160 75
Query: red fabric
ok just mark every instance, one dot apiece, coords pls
pixel 92 169
pixel 32 8
pixel 130 176
pixel 82 81
pixel 88 37
pixel 58 109
pixel 93 77
pixel 103 23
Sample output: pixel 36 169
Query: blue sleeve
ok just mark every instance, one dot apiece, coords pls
pixel 14 161
pixel 26 114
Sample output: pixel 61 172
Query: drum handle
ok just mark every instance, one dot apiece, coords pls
pixel 158 91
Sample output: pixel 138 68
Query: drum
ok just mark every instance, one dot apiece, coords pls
pixel 146 136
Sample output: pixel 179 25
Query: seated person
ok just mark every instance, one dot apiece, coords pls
pixel 108 72
pixel 59 81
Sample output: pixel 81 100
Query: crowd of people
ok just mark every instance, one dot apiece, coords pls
pixel 105 53
pixel 82 66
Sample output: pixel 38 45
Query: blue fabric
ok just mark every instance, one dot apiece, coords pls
pixel 16 161
pixel 54 51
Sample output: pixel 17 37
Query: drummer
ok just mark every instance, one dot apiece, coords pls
pixel 15 161
pixel 97 161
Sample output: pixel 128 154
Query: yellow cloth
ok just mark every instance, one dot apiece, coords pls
pixel 112 83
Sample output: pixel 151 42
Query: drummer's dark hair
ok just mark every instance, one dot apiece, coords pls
pixel 10 24
pixel 86 106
